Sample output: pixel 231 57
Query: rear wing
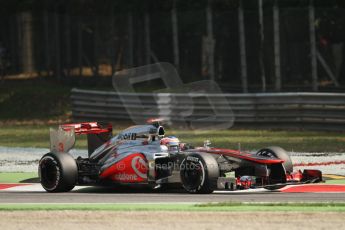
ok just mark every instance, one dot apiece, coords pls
pixel 63 138
pixel 87 128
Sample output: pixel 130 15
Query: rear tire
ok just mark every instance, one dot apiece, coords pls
pixel 199 173
pixel 58 172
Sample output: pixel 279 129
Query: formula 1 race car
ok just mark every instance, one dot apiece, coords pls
pixel 143 156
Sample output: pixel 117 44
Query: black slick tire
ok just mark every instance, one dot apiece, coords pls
pixel 199 173
pixel 58 172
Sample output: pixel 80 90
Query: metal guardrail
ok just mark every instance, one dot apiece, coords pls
pixel 271 110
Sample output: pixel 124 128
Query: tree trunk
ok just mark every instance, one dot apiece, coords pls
pixel 68 43
pixel 80 46
pixel 130 39
pixel 112 43
pixel 242 38
pixel 261 49
pixel 276 34
pixel 57 45
pixel 210 41
pixel 147 39
pixel 174 24
pixel 47 42
pixel 27 42
pixel 96 42
pixel 312 38
pixel 13 44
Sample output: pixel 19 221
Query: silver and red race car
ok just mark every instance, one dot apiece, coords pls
pixel 143 156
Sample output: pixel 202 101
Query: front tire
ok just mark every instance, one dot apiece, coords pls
pixel 279 153
pixel 58 172
pixel 199 173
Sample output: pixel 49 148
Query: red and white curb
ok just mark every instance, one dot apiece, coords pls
pixel 314 188
pixel 11 186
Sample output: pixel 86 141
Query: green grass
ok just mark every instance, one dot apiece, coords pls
pixel 299 141
pixel 305 207
pixel 31 136
pixel 16 177
pixel 335 181
pixel 24 136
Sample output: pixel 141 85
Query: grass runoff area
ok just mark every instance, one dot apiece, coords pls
pixel 16 177
pixel 227 206
pixel 23 135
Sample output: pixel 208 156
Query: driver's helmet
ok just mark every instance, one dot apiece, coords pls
pixel 172 142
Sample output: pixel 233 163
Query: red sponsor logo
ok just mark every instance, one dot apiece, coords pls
pixel 133 168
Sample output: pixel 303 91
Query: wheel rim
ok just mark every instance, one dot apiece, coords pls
pixel 266 153
pixel 49 173
pixel 192 175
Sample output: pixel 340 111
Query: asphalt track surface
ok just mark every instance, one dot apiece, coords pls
pixel 105 196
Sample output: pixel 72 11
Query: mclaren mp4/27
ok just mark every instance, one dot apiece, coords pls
pixel 143 156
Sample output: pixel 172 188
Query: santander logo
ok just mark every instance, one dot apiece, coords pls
pixel 139 166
